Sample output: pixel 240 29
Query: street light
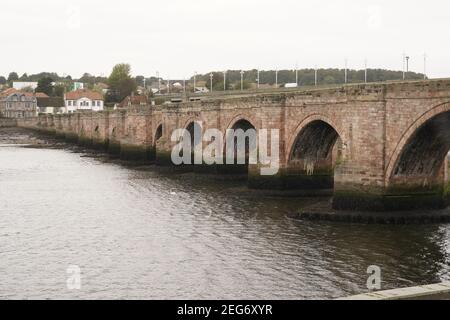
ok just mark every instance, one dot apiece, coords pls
pixel 346 76
pixel 159 82
pixel 404 58
pixel 211 81
pixel 225 80
pixel 315 76
pixel 257 78
pixel 276 78
pixel 424 66
pixel 168 85
pixel 365 71
pixel 407 64
pixel 296 74
pixel 195 76
pixel 242 80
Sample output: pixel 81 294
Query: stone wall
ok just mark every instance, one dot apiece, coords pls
pixel 6 122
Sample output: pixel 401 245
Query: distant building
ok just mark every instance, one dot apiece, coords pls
pixel 49 105
pixel 20 85
pixel 77 86
pixel 201 90
pixel 7 92
pixel 16 104
pixel 133 100
pixel 83 100
pixel 103 87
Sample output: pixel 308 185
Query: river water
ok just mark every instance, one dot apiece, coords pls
pixel 147 232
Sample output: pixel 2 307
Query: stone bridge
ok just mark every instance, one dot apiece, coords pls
pixel 377 146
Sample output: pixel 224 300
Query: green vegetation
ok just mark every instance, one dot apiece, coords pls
pixel 45 86
pixel 121 83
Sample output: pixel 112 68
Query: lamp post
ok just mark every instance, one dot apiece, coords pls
pixel 195 76
pixel 242 80
pixel 159 82
pixel 345 75
pixel 365 71
pixel 296 74
pixel 225 80
pixel 315 76
pixel 211 81
pixel 168 85
pixel 276 78
pixel 424 66
pixel 407 64
pixel 403 61
pixel 257 79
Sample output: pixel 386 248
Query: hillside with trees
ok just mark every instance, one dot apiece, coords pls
pixel 306 77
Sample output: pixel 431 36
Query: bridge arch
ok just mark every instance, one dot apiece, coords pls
pixel 420 154
pixel 158 133
pixel 244 123
pixel 194 126
pixel 314 150
pixel 240 118
pixel 316 120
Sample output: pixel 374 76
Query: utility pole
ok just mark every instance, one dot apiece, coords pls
pixel 296 74
pixel 211 81
pixel 242 80
pixel 184 85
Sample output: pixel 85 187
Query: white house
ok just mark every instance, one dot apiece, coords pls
pixel 20 85
pixel 83 100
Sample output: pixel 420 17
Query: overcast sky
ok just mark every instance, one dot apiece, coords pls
pixel 178 37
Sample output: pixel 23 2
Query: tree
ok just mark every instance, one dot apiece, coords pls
pixel 121 83
pixel 140 80
pixel 13 76
pixel 2 80
pixel 24 77
pixel 58 91
pixel 45 86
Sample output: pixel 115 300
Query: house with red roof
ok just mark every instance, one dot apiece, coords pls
pixel 83 99
pixel 133 100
